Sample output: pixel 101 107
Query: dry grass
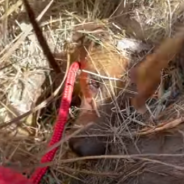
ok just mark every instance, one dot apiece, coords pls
pixel 23 70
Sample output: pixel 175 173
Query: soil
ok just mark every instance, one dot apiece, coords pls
pixel 131 171
pixel 162 143
pixel 153 158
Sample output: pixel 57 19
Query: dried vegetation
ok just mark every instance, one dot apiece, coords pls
pixel 143 147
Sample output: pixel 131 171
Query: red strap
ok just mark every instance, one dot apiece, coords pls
pixel 9 176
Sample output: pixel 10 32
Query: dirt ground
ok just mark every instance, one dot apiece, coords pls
pixel 163 143
pixel 152 158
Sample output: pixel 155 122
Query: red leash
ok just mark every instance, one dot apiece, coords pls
pixel 10 176
pixel 6 175
pixel 60 123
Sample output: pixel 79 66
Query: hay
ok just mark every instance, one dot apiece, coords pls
pixel 22 60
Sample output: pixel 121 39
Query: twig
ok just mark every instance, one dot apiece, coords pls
pixel 162 127
pixel 138 157
pixel 170 16
pixel 133 156
pixel 105 174
pixel 23 36
pixel 101 76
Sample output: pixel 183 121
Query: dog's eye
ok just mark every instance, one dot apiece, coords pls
pixel 95 83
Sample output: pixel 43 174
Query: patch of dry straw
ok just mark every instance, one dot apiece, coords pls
pixel 23 69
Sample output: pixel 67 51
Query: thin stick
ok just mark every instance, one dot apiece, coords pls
pixel 23 36
pixel 132 156
pixel 162 127
pixel 101 76
pixel 40 37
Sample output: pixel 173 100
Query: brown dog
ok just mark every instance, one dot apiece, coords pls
pixel 99 81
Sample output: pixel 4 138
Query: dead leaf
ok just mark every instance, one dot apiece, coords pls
pixel 146 75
